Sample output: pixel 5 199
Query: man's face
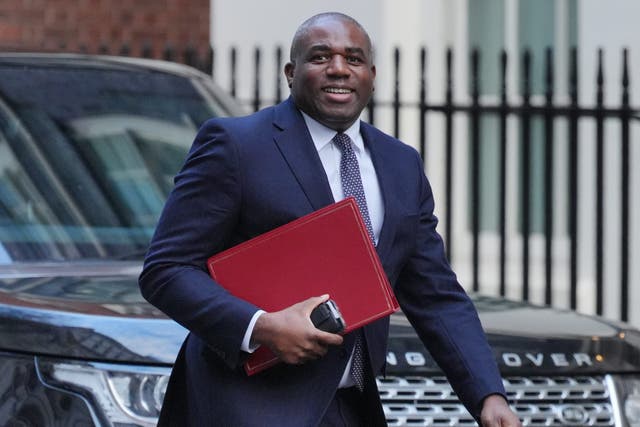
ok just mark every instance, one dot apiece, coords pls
pixel 332 74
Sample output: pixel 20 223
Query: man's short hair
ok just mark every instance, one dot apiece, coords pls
pixel 303 29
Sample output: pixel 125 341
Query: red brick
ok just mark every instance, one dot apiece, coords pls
pixel 10 33
pixel 49 24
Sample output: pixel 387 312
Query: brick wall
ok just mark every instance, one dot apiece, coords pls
pixel 145 27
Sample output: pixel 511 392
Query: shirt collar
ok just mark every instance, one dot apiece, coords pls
pixel 322 135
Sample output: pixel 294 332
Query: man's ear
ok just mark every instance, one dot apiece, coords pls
pixel 289 67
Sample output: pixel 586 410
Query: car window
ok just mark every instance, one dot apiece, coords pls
pixel 88 155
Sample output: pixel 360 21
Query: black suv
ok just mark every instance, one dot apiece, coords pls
pixel 88 150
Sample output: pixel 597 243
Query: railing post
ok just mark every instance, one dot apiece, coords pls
pixel 525 188
pixel 125 50
pixel 256 80
pixel 448 111
pixel 396 93
pixel 475 166
pixel 146 50
pixel 503 171
pixel 573 178
pixel 209 62
pixel 168 53
pixel 190 57
pixel 548 177
pixel 371 109
pixel 234 66
pixel 625 205
pixel 278 94
pixel 599 117
pixel 422 108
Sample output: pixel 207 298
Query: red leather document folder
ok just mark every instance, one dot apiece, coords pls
pixel 325 252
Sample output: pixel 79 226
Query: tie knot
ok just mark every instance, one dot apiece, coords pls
pixel 343 141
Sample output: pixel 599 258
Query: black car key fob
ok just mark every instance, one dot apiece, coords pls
pixel 327 317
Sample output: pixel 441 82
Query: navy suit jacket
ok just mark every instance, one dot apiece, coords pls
pixel 245 176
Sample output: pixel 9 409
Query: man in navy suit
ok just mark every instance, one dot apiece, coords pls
pixel 245 176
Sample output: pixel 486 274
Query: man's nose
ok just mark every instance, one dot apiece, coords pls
pixel 338 66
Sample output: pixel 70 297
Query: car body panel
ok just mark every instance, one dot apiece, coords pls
pixel 105 318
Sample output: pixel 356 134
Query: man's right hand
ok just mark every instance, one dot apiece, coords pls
pixel 291 335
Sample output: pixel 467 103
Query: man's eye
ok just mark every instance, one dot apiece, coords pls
pixel 354 60
pixel 319 58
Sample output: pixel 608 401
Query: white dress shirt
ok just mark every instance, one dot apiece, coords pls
pixel 330 156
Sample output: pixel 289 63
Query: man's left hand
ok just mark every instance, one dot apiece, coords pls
pixel 496 413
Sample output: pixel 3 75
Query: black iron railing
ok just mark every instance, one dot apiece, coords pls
pixel 526 113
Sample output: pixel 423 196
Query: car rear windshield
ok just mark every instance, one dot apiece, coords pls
pixel 88 155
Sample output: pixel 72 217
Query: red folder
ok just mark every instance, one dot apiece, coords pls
pixel 325 252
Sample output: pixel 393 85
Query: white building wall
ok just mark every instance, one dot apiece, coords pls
pixel 438 24
pixel 247 24
pixel 435 24
pixel 612 26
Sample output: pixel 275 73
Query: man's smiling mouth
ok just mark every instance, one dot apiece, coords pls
pixel 337 90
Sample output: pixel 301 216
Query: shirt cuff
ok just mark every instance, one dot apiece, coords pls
pixel 246 341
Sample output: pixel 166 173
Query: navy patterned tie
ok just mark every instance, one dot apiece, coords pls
pixel 352 186
pixel 351 179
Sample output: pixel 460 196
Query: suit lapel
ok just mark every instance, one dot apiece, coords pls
pixel 294 142
pixel 385 179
